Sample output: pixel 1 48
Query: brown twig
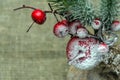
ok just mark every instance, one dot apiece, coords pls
pixel 53 11
pixel 24 6
pixel 30 27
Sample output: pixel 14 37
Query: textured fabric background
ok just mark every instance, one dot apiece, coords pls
pixel 36 55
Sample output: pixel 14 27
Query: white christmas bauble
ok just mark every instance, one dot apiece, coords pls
pixel 82 32
pixel 115 26
pixel 96 24
pixel 73 26
pixel 82 53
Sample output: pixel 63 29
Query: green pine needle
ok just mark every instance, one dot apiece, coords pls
pixel 109 12
pixel 84 11
pixel 81 10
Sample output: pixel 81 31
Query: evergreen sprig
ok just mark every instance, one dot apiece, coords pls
pixel 81 10
pixel 84 11
pixel 109 12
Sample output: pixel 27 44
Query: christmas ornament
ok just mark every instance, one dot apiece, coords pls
pixel 60 29
pixel 73 26
pixel 82 53
pixel 96 24
pixel 38 16
pixel 115 26
pixel 82 33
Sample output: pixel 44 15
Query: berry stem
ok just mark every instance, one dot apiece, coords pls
pixel 95 32
pixel 30 27
pixel 53 12
pixel 48 11
pixel 61 17
pixel 24 6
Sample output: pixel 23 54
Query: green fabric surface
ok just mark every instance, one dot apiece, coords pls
pixel 36 55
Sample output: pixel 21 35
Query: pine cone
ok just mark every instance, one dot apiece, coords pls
pixel 112 60
pixel 110 67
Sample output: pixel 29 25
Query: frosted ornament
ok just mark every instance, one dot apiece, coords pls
pixel 82 53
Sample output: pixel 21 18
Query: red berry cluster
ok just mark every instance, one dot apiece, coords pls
pixel 64 28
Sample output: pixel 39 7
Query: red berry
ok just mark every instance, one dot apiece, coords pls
pixel 82 33
pixel 38 16
pixel 65 22
pixel 60 29
pixel 96 24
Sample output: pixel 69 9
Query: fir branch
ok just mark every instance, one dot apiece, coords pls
pixel 109 12
pixel 81 10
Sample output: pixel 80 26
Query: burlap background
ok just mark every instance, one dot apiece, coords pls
pixel 37 55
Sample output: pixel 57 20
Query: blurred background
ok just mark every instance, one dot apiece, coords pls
pixel 36 55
